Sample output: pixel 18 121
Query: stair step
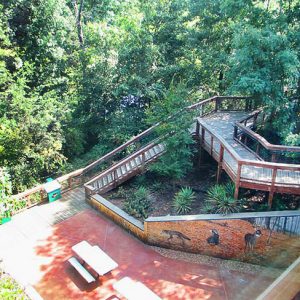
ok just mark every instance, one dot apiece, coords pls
pixel 132 164
pixel 128 167
pixel 152 153
pixel 110 177
pixel 104 181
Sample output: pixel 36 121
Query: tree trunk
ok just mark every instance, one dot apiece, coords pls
pixel 78 14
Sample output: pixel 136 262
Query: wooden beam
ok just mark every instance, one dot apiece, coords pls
pixel 220 163
pixel 237 181
pixel 271 193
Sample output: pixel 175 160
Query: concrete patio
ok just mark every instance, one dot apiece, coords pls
pixel 36 244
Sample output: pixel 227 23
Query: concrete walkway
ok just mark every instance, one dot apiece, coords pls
pixel 36 244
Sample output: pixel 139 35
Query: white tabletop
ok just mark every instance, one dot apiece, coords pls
pixel 133 290
pixel 96 258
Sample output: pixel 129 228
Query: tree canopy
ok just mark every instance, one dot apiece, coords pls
pixel 77 76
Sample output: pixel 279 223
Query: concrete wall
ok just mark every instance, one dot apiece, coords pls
pixel 118 216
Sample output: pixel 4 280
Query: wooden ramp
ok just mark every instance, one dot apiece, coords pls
pixel 126 168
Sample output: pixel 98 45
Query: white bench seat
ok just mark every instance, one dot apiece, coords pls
pixel 81 270
pixel 133 290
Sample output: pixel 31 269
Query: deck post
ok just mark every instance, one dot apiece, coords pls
pixel 270 199
pixel 273 157
pixel 217 104
pixel 115 178
pixel 201 144
pixel 257 148
pixel 198 141
pixel 271 192
pixel 143 161
pixel 197 129
pixel 235 132
pixel 237 181
pixel 41 195
pixel 70 182
pixel 220 163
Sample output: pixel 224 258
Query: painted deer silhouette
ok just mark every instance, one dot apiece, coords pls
pixel 250 240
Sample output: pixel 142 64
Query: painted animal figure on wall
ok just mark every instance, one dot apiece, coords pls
pixel 173 233
pixel 250 239
pixel 214 238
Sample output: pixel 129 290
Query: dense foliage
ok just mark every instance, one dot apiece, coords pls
pixel 77 76
pixel 10 289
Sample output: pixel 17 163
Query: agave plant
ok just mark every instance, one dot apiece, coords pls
pixel 139 203
pixel 220 199
pixel 183 200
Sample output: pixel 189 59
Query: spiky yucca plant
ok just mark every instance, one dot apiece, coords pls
pixel 220 200
pixel 183 200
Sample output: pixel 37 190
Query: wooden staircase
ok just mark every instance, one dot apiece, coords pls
pixel 125 169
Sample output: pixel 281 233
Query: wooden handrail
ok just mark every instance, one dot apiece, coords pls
pixel 120 148
pixel 122 162
pixel 260 139
pixel 236 156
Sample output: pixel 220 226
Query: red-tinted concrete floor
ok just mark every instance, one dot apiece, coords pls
pixel 168 278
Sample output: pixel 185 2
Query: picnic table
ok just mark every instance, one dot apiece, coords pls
pixel 95 257
pixel 134 290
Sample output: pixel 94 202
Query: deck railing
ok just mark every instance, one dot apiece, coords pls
pixel 78 177
pixel 261 175
pixel 110 178
pixel 259 146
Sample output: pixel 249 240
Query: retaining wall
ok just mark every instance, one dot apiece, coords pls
pixel 217 235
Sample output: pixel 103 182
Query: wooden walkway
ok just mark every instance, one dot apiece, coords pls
pixel 242 165
pixel 221 124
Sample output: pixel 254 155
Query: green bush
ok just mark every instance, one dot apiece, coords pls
pixel 139 203
pixel 9 289
pixel 183 200
pixel 120 193
pixel 220 200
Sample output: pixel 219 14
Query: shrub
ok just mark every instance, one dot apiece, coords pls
pixel 120 193
pixel 9 289
pixel 183 200
pixel 157 186
pixel 220 200
pixel 139 203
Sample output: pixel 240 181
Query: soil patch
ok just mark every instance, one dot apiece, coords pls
pixel 163 190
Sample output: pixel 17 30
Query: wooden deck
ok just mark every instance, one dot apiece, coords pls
pixel 246 169
pixel 221 124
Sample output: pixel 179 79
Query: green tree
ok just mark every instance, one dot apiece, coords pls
pixel 175 122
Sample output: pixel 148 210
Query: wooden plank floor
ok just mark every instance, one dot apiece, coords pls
pixel 221 124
